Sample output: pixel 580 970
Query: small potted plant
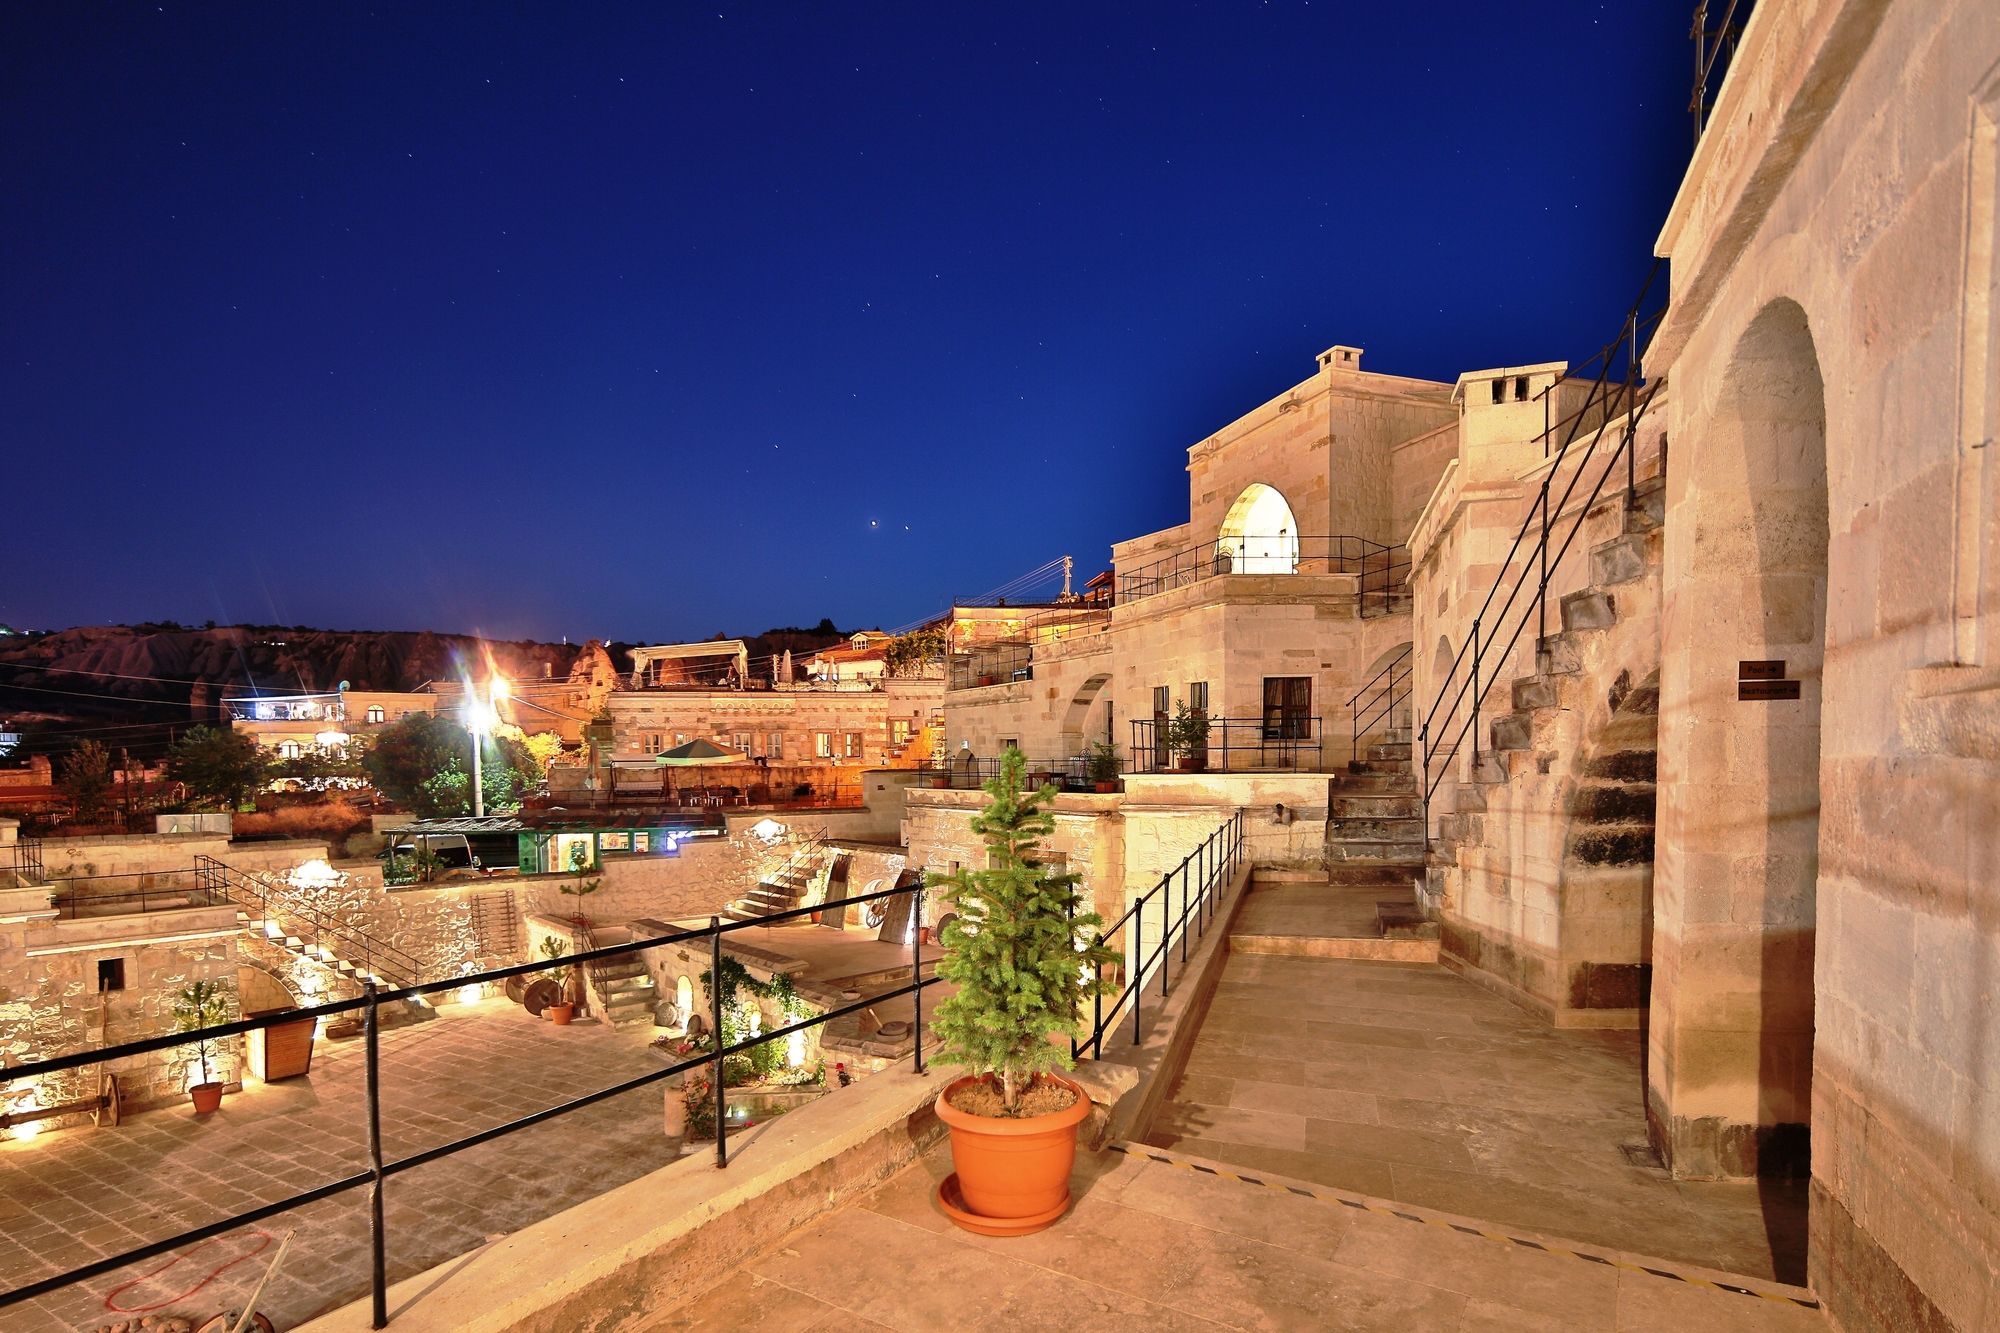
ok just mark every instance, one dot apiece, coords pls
pixel 1014 952
pixel 1104 766
pixel 564 1009
pixel 1187 737
pixel 202 1005
pixel 580 890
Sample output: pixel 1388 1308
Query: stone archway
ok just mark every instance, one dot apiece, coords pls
pixel 1076 714
pixel 1730 1042
pixel 1259 534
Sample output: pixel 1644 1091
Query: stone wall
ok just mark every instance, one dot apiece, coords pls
pixel 1834 314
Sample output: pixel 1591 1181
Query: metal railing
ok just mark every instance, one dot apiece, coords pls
pixel 970 774
pixel 1377 701
pixel 994 664
pixel 24 858
pixel 1203 875
pixel 380 1169
pixel 1282 553
pixel 1275 742
pixel 349 944
pixel 137 891
pixel 1619 389
pixel 1714 49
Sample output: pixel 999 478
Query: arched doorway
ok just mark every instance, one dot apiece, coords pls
pixel 1076 731
pixel 1737 857
pixel 1259 534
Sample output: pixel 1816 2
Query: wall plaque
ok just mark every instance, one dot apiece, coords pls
pixel 1760 670
pixel 1767 689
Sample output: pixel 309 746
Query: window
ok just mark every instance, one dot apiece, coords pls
pixel 823 744
pixel 1500 391
pixel 289 749
pixel 1287 708
pixel 899 731
pixel 376 713
pixel 853 745
pixel 740 742
pixel 1520 388
pixel 1162 701
pixel 110 974
pixel 774 746
pixel 1198 696
pixel 651 742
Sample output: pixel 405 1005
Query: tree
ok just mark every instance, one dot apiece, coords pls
pixel 913 654
pixel 218 766
pixel 1014 950
pixel 86 781
pixel 424 764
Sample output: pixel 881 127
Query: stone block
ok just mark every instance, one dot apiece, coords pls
pixel 1588 610
pixel 1621 560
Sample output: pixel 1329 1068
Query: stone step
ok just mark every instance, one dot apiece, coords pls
pixel 1532 692
pixel 1375 805
pixel 1617 803
pixel 1649 505
pixel 1399 919
pixel 1390 828
pixel 1490 769
pixel 1384 766
pixel 1336 946
pixel 1397 750
pixel 1371 849
pixel 622 985
pixel 1589 609
pixel 1621 560
pixel 1401 783
pixel 1513 731
pixel 1401 870
pixel 1559 655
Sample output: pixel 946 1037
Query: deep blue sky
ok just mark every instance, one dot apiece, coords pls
pixel 645 321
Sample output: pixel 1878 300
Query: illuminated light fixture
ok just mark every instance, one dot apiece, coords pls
pixel 770 830
pixel 468 994
pixel 314 874
pixel 795 1049
pixel 25 1133
pixel 332 740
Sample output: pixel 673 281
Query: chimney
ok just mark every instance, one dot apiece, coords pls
pixel 1340 357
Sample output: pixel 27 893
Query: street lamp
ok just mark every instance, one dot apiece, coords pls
pixel 481 716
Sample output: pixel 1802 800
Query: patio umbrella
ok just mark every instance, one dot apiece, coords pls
pixel 693 754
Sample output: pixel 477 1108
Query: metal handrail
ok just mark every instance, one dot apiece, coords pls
pixel 1471 687
pixel 1713 47
pixel 1387 697
pixel 1290 739
pixel 1211 865
pixel 1338 554
pixel 228 882
pixel 381 1169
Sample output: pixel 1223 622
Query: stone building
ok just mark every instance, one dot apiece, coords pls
pixel 291 725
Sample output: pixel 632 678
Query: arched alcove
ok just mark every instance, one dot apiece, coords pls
pixel 1259 533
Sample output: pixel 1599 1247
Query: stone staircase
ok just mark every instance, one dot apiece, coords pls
pixel 1375 834
pixel 1631 559
pixel 783 889
pixel 623 991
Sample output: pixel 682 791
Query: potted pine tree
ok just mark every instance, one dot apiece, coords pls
pixel 1104 767
pixel 1187 737
pixel 202 1005
pixel 1014 951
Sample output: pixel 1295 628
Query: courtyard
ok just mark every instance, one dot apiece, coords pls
pixel 75 1196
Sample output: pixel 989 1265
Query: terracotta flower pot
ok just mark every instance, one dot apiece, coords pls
pixel 1011 1176
pixel 1106 788
pixel 206 1097
pixel 560 1014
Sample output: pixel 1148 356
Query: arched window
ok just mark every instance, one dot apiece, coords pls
pixel 375 713
pixel 289 750
pixel 1259 534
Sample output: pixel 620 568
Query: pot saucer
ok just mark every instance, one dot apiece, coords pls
pixel 953 1204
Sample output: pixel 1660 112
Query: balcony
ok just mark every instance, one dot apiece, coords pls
pixel 1278 742
pixel 1379 569
pixel 288 708
pixel 1047 634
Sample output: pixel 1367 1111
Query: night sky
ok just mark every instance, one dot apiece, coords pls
pixel 647 321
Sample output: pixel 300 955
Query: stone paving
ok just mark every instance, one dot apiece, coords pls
pixel 1405 1081
pixel 1157 1247
pixel 78 1195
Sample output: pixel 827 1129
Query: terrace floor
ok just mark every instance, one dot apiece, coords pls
pixel 1405 1081
pixel 70 1197
pixel 1153 1245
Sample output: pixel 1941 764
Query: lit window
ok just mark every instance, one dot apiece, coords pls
pixel 288 750
pixel 376 713
pixel 823 744
pixel 853 745
pixel 652 742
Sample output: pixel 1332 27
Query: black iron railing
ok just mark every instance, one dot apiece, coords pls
pixel 24 858
pixel 1378 702
pixel 968 774
pixel 1609 417
pixel 1202 877
pixel 1280 740
pixel 380 1169
pixel 139 891
pixel 1714 49
pixel 994 664
pixel 1282 553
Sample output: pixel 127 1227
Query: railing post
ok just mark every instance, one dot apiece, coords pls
pixel 1542 588
pixel 1097 1014
pixel 1632 381
pixel 715 1006
pixel 917 975
pixel 1475 695
pixel 1138 965
pixel 378 1270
